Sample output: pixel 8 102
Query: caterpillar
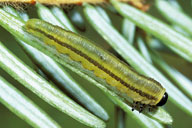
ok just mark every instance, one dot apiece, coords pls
pixel 137 3
pixel 118 75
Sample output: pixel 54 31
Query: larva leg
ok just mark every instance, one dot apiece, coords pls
pixel 150 108
pixel 134 106
pixel 141 107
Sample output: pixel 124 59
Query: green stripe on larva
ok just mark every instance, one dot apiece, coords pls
pixel 117 74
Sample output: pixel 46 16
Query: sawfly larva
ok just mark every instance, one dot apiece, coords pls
pixel 118 75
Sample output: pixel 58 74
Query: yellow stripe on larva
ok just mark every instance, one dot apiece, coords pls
pixel 117 74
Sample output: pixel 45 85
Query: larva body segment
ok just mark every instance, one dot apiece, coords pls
pixel 117 74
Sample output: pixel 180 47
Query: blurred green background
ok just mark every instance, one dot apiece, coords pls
pixel 9 120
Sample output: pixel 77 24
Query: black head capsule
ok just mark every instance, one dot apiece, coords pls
pixel 163 100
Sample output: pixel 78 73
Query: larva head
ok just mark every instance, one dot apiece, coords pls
pixel 163 99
